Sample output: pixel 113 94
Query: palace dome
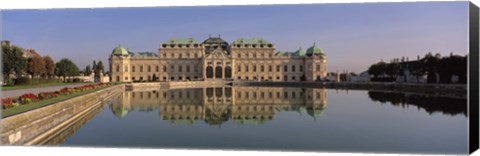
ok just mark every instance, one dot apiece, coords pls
pixel 314 50
pixel 215 41
pixel 300 52
pixel 119 50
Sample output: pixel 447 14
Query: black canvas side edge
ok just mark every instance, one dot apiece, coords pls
pixel 473 78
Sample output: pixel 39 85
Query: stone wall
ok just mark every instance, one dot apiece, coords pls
pixel 34 126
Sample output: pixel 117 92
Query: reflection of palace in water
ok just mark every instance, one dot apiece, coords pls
pixel 245 105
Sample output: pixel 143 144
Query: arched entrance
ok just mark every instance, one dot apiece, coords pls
pixel 218 72
pixel 228 72
pixel 209 72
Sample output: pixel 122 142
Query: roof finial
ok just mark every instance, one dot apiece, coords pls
pixel 218 35
pixel 313 43
pixel 209 35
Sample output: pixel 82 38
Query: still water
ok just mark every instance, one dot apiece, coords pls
pixel 269 118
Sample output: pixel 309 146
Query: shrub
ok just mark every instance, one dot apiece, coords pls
pixel 77 80
pixel 22 81
pixel 10 82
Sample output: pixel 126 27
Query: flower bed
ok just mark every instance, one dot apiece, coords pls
pixel 24 99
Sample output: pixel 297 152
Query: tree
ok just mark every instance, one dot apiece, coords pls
pixel 49 66
pixel 12 60
pixel 88 71
pixel 36 66
pixel 65 68
pixel 100 67
pixel 377 69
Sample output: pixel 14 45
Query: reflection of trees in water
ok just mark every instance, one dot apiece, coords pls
pixel 430 104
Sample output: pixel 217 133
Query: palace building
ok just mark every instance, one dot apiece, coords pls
pixel 215 59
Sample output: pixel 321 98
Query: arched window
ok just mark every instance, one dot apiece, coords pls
pixel 209 72
pixel 218 72
pixel 228 72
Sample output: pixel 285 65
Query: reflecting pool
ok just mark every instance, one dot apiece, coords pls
pixel 269 118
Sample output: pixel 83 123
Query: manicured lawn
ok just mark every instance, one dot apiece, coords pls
pixel 7 88
pixel 42 103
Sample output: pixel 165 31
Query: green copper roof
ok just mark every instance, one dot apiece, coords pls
pixel 181 122
pixel 144 54
pixel 120 113
pixel 280 53
pixel 119 50
pixel 251 41
pixel 300 52
pixel 182 41
pixel 314 50
pixel 251 121
pixel 314 112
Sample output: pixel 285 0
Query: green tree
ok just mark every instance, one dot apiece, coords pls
pixel 49 67
pixel 36 66
pixel 100 67
pixel 88 71
pixel 12 61
pixel 66 67
pixel 377 69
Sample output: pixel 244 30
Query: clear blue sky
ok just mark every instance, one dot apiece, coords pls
pixel 353 36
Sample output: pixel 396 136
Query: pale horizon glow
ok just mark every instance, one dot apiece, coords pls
pixel 353 36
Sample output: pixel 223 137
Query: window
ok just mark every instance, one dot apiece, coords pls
pixel 293 77
pixel 133 78
pixel 126 68
pixel 196 55
pixel 172 55
pixel 165 68
pixel 278 68
pixel 285 68
pixel 254 68
pixel 126 78
pixel 180 55
pixel 293 68
pixel 254 55
pixel 238 55
pixel 149 68
pixel 239 68
pixel 188 55
pixel 195 69
pixel 118 69
pixel 318 67
pixel 156 69
pixel 188 68
pixel 246 69
pixel 301 68
pixel 141 68
pixel 262 68
pixel 270 68
pixel 133 68
pixel 179 68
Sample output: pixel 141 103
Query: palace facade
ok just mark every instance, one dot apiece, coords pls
pixel 215 59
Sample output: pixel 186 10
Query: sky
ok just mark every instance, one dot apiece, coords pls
pixel 353 36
